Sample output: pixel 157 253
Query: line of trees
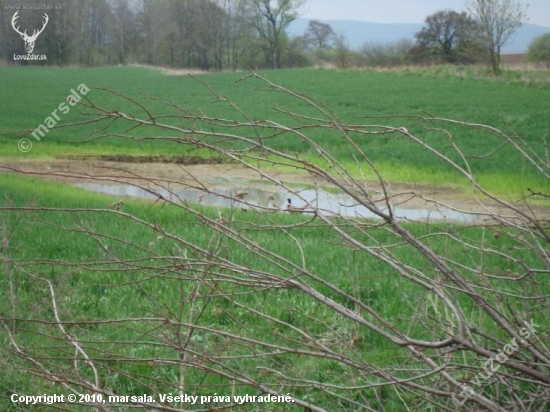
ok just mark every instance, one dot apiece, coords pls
pixel 450 37
pixel 235 34
pixel 206 34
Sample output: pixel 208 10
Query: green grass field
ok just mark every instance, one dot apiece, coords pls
pixel 514 106
pixel 53 245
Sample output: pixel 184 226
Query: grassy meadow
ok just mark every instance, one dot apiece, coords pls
pixel 119 277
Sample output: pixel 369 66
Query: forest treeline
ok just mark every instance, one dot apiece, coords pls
pixel 231 35
pixel 205 34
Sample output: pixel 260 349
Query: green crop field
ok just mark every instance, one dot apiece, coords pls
pixel 519 108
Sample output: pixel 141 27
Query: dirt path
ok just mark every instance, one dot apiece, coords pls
pixel 181 172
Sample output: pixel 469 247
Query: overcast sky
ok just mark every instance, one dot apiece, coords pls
pixel 403 11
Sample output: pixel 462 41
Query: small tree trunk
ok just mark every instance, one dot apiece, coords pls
pixel 495 63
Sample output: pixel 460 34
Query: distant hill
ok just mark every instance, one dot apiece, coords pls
pixel 359 32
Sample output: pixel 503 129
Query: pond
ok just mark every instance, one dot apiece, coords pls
pixel 329 204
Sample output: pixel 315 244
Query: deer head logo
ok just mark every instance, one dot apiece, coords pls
pixel 29 40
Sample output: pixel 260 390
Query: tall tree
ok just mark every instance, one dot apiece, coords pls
pixel 151 25
pixel 449 36
pixel 206 30
pixel 123 28
pixel 238 33
pixel 498 20
pixel 57 38
pixel 319 35
pixel 271 19
pixel 539 50
pixel 342 48
pixel 81 32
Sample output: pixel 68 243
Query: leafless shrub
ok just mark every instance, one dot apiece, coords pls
pixel 224 309
pixel 387 55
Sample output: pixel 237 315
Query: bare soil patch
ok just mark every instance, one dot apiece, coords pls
pixel 514 59
pixel 171 72
pixel 165 159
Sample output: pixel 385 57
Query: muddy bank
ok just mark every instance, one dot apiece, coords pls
pixel 189 176
pixel 166 159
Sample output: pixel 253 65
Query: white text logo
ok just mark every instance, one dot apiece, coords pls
pixel 29 40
